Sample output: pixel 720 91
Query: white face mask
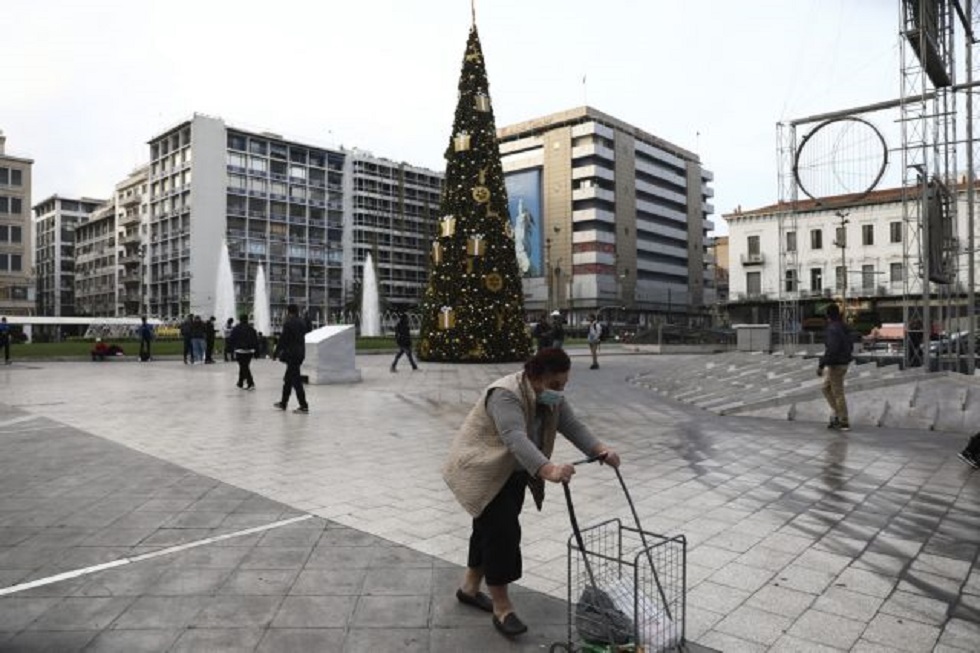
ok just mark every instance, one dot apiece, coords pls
pixel 550 397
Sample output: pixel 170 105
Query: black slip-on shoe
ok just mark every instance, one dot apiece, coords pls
pixel 302 409
pixel 480 601
pixel 280 405
pixel 511 626
pixel 968 459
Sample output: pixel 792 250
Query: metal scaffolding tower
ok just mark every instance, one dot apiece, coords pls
pixel 790 319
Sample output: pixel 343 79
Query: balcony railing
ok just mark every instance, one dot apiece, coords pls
pixel 756 258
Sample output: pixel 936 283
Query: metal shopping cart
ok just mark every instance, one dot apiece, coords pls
pixel 626 586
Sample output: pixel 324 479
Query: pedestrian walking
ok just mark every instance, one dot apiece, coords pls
pixel 185 335
pixel 5 340
pixel 198 340
pixel 503 447
pixel 594 338
pixel 146 337
pixel 244 342
pixel 557 330
pixel 210 331
pixel 229 351
pixel 403 338
pixel 543 333
pixel 291 350
pixel 836 358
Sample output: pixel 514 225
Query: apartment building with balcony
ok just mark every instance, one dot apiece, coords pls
pixel 96 263
pixel 55 221
pixel 391 211
pixel 861 259
pixel 131 202
pixel 306 213
pixel 606 214
pixel 16 238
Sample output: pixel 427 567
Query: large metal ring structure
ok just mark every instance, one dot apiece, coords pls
pixel 828 148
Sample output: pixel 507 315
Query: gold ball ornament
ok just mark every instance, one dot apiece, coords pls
pixel 494 282
pixel 481 194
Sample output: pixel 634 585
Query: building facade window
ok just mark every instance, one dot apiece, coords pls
pixel 753 245
pixel 840 237
pixel 816 239
pixel 753 283
pixel 896 272
pixel 816 279
pixel 895 232
pixel 867 277
pixel 867 234
pixel 791 281
pixel 790 241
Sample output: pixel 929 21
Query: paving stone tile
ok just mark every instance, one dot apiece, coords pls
pixel 410 640
pixel 802 579
pixel 187 581
pixel 791 644
pixel 127 641
pixel 942 566
pixel 711 556
pixel 731 644
pixel 89 613
pixel 865 582
pixel 238 612
pixel 161 612
pixel 846 603
pixel 765 558
pixel 829 629
pixel 227 639
pixel 781 601
pixel 881 563
pixel 917 608
pixel 938 587
pixel 391 612
pixel 754 625
pixel 698 621
pixel 303 640
pixel 17 613
pixel 900 634
pixel 314 612
pixel 409 581
pixel 129 580
pixel 262 582
pixel 719 598
pixel 66 641
pixel 326 582
pixel 787 542
pixel 823 561
pixel 211 557
pixel 961 634
pixel 742 577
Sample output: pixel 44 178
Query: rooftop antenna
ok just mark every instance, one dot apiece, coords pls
pixel 473 11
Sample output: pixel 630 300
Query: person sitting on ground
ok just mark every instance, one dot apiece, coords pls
pixel 100 350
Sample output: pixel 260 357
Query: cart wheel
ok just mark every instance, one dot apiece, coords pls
pixel 561 646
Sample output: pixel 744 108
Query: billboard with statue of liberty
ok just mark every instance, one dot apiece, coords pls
pixel 524 203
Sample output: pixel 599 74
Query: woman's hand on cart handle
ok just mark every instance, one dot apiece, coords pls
pixel 607 456
pixel 556 473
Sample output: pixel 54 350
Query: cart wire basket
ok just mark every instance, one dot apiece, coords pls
pixel 626 587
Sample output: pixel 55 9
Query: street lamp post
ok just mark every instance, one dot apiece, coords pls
pixel 841 242
pixel 142 304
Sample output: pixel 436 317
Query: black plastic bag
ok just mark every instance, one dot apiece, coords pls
pixel 599 621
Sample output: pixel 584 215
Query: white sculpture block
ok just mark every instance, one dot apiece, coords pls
pixel 330 355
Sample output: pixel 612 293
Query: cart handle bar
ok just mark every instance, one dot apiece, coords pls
pixel 601 457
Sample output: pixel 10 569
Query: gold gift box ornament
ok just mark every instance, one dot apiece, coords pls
pixel 475 245
pixel 447 318
pixel 436 252
pixel 448 226
pixel 461 142
pixel 481 102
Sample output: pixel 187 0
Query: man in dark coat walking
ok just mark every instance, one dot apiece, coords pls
pixel 291 350
pixel 836 357
pixel 243 341
pixel 403 338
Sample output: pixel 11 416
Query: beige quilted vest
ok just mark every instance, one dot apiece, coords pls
pixel 479 462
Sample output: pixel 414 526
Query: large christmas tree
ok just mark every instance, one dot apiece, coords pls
pixel 473 309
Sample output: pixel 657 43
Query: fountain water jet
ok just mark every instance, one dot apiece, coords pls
pixel 261 314
pixel 370 304
pixel 224 289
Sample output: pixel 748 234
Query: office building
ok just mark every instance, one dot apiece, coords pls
pixel 55 220
pixel 606 215
pixel 16 244
pixel 96 263
pixel 306 213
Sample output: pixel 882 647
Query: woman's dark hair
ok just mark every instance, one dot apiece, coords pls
pixel 550 360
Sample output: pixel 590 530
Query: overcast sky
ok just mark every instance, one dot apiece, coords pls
pixel 84 85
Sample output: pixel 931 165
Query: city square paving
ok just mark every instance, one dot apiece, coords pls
pixel 799 538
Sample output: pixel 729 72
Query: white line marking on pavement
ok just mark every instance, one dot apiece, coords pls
pixel 13 589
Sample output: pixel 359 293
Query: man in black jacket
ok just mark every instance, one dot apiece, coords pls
pixel 243 341
pixel 836 358
pixel 291 350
